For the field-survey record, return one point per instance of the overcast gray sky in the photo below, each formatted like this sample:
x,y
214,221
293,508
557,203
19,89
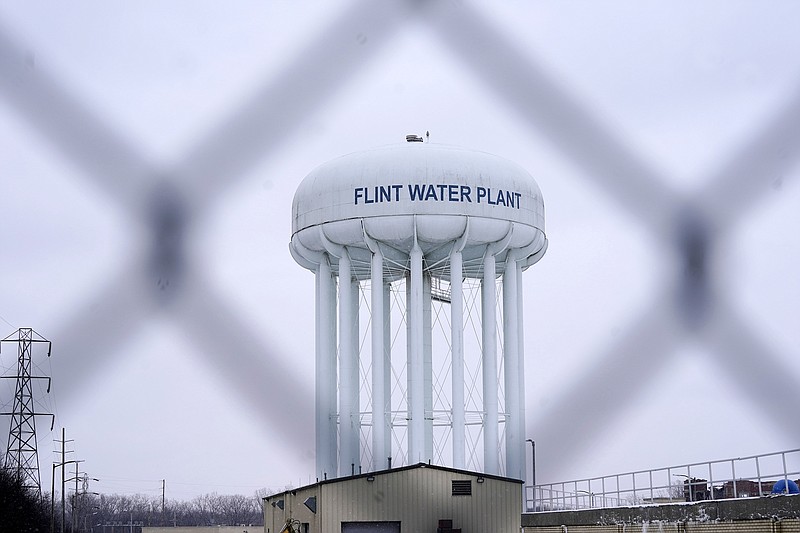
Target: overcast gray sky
x,y
189,358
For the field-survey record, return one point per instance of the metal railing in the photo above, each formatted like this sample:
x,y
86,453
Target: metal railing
x,y
741,477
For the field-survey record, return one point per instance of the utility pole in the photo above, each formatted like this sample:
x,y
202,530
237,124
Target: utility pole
x,y
163,512
82,496
74,498
22,455
533,470
533,461
53,499
62,464
75,502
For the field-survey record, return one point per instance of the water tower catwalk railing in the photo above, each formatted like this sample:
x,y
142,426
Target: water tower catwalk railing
x,y
403,417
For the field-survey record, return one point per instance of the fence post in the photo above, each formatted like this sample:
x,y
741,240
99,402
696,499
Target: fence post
x,y
669,483
603,488
758,474
711,480
785,473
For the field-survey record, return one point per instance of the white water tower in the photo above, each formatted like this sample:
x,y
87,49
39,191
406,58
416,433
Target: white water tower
x,y
418,251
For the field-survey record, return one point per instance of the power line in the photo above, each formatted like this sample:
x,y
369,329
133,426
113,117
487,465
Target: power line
x,y
6,321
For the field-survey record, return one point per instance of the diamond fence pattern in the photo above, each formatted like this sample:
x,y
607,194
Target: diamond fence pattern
x,y
169,203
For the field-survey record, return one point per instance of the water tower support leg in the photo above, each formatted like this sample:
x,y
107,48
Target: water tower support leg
x,y
379,455
521,431
457,343
427,329
325,371
515,447
489,340
416,371
348,368
387,368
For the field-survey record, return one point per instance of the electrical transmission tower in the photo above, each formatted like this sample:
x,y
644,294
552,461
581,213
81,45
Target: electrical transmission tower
x,y
22,456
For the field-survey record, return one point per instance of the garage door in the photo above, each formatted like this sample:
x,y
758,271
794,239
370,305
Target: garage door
x,y
370,527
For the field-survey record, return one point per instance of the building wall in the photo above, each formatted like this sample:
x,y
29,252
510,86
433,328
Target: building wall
x,y
275,517
417,497
197,529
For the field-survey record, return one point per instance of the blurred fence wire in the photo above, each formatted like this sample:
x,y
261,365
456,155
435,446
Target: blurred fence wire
x,y
169,203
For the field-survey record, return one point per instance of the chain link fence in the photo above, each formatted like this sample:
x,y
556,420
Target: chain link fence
x,y
165,206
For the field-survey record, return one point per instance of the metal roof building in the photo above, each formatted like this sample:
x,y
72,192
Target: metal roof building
x,y
419,497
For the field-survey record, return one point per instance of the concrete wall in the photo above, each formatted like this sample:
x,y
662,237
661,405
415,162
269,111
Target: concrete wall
x,y
791,525
754,513
204,529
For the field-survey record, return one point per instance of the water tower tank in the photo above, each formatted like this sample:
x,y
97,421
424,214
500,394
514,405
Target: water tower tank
x,y
435,220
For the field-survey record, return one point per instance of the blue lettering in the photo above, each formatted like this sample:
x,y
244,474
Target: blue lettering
x,y
431,193
452,193
437,192
416,191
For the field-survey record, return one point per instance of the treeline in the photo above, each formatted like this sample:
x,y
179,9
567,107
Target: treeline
x,y
93,510
21,510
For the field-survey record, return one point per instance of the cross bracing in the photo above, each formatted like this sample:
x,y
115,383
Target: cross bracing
x,y
22,454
